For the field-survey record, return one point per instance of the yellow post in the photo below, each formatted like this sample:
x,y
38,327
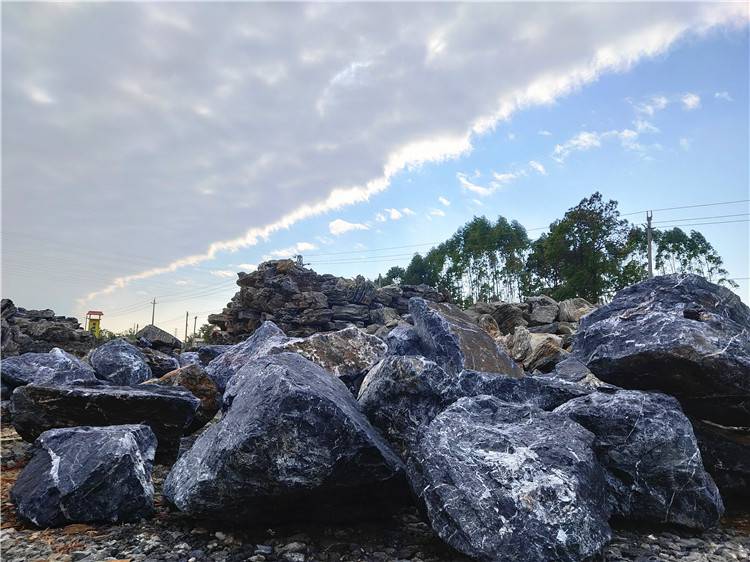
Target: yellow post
x,y
93,322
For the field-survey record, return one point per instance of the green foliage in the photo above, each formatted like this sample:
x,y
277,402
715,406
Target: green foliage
x,y
205,331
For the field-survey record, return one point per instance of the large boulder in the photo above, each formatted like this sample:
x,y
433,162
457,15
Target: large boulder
x,y
57,366
572,310
159,362
88,474
535,351
194,378
120,363
151,336
511,482
726,456
292,445
508,316
650,454
679,334
167,411
542,310
403,340
455,342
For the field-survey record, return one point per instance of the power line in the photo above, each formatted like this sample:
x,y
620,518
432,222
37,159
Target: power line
x,y
704,218
686,207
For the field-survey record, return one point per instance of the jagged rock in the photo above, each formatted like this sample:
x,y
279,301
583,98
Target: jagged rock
x,y
226,365
207,353
194,378
726,456
151,336
542,310
57,366
385,316
167,411
511,482
508,317
160,363
88,474
679,334
572,310
189,358
535,351
572,370
120,363
403,340
488,324
454,342
292,445
559,328
649,452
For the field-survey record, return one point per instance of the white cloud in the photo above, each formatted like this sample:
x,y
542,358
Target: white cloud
x,y
643,126
538,167
380,217
181,282
691,101
437,213
408,212
444,201
511,136
723,96
340,226
586,140
290,251
685,143
394,214
545,133
224,273
469,185
506,177
39,96
247,266
651,105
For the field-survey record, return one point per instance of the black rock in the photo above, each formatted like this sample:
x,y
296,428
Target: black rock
x,y
207,353
168,411
726,456
156,338
644,340
189,358
57,366
403,340
88,474
120,363
510,482
159,362
293,445
455,342
650,454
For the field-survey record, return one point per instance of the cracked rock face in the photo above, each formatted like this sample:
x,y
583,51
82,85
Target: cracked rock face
x,y
455,342
167,411
292,445
650,454
509,482
88,474
57,366
120,363
403,340
726,456
679,334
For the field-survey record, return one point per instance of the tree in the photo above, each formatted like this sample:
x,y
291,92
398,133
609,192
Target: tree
x,y
394,275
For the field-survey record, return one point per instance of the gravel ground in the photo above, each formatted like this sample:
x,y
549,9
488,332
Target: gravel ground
x,y
404,536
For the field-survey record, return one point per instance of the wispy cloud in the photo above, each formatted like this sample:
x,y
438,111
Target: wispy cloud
x,y
224,273
685,143
723,96
340,226
586,140
290,251
437,213
691,101
651,105
538,167
545,133
443,201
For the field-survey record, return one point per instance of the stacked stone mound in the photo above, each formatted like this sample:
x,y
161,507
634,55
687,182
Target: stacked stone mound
x,y
302,302
39,331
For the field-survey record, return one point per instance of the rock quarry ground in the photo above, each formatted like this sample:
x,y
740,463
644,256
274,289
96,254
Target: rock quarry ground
x,y
404,536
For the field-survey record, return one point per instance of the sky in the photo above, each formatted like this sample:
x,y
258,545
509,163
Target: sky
x,y
151,151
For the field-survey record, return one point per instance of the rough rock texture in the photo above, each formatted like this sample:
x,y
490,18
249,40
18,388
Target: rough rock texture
x,y
535,351
57,366
511,482
650,454
194,379
86,474
726,456
39,331
292,445
120,363
159,362
455,342
572,310
156,338
189,358
167,411
572,370
679,334
301,302
403,340
542,310
508,316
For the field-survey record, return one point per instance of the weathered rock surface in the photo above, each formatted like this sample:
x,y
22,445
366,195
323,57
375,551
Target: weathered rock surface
x,y
455,342
508,317
87,474
403,340
39,331
572,370
650,454
726,456
156,338
510,482
542,310
292,445
679,334
57,366
159,362
194,379
572,310
535,351
120,363
167,411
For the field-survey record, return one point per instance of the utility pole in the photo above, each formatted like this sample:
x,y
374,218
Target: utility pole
x,y
649,236
195,324
153,310
187,314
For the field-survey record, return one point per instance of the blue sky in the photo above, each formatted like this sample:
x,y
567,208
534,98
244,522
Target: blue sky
x,y
665,129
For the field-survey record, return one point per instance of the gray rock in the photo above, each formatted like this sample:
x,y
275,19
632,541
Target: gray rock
x,y
508,317
679,334
572,370
88,474
189,358
56,366
404,340
292,445
650,454
543,310
159,362
168,411
511,482
572,310
120,363
386,316
208,353
726,456
154,337
455,342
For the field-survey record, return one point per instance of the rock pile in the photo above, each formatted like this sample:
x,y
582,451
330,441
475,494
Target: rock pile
x,y
25,331
302,303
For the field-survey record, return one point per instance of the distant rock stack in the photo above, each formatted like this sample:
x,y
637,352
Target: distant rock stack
x,y
40,331
302,302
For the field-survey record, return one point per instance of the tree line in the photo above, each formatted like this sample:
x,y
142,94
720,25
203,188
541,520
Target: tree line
x,y
591,252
